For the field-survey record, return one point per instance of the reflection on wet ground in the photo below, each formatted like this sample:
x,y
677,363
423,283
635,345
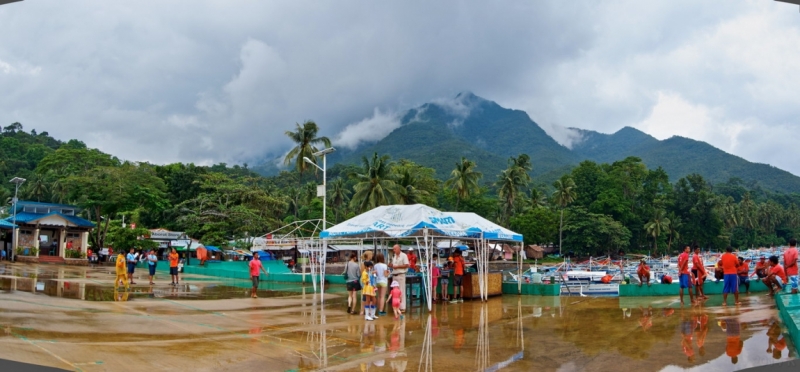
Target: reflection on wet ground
x,y
292,330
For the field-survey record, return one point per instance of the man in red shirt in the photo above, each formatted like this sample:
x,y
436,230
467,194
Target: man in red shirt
x,y
777,276
643,271
685,276
762,268
255,272
699,272
790,264
730,266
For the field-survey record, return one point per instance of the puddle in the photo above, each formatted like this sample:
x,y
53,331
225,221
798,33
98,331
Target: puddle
x,y
292,331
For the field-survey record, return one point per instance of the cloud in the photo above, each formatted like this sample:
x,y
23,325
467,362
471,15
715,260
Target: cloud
x,y
371,129
151,81
567,137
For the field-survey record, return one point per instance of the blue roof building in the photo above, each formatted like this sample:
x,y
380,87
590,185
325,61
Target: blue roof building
x,y
52,228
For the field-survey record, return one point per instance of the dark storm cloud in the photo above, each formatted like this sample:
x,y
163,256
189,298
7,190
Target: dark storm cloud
x,y
210,81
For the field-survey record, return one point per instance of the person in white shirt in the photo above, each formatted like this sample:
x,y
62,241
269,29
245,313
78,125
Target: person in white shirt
x,y
399,266
382,276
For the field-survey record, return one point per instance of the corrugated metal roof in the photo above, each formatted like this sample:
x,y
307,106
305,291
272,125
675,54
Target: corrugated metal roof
x,y
27,217
6,225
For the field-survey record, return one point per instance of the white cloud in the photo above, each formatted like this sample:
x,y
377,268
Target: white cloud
x,y
150,81
371,129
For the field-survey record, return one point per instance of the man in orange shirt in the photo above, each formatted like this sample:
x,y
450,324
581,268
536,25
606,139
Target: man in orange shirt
x,y
730,266
776,277
173,266
699,272
643,271
790,264
762,268
458,274
684,275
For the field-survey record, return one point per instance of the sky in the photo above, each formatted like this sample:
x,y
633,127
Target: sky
x,y
221,81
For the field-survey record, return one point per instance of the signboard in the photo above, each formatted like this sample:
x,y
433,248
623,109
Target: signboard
x,y
320,190
165,235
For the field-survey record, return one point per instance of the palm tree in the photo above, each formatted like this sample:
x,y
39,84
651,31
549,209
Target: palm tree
x,y
511,181
464,180
376,185
408,192
339,195
563,196
36,187
305,137
658,224
675,225
537,198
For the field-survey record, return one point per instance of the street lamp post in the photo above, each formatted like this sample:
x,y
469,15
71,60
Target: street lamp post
x,y
324,191
16,181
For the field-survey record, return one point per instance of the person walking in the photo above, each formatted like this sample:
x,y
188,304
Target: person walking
x,y
131,259
458,276
397,297
382,282
152,261
255,271
730,265
173,266
790,264
399,266
352,275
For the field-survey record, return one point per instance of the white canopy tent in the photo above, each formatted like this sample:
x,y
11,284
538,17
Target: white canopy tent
x,y
428,224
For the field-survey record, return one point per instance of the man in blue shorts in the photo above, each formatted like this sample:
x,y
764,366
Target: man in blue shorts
x,y
131,259
730,267
685,275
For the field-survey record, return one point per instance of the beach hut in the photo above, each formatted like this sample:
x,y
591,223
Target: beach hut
x,y
534,251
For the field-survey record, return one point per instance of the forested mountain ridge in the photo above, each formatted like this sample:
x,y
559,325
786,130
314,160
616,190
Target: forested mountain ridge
x,y
437,135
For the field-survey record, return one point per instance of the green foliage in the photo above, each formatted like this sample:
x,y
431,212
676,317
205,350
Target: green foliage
x,y
593,234
305,138
537,225
123,239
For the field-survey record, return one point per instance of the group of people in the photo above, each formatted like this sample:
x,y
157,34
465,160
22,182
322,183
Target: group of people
x,y
373,279
733,270
126,266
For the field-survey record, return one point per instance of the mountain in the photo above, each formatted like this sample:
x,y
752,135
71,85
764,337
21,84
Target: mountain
x,y
438,134
681,156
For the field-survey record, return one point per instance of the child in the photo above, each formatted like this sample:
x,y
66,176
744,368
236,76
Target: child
x,y
395,295
446,279
435,275
368,290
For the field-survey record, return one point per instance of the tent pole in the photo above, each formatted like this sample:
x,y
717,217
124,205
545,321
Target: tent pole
x,y
519,277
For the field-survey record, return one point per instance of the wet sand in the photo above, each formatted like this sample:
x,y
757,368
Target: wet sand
x,y
68,318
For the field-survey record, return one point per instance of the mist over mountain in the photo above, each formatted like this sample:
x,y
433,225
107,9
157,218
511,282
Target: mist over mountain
x,y
438,134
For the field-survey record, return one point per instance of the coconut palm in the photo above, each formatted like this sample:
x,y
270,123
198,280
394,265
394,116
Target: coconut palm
x,y
408,190
305,138
339,195
658,224
464,180
563,196
36,187
511,181
675,225
538,199
376,185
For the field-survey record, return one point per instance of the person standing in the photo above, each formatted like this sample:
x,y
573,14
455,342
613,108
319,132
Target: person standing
x,y
730,265
643,272
255,272
368,290
399,266
131,258
700,274
173,266
382,282
121,270
435,275
352,275
790,264
684,275
152,260
458,276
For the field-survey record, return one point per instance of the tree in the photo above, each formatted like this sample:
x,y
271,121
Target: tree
x,y
339,195
537,226
563,196
658,224
511,181
305,138
594,234
376,184
36,187
464,180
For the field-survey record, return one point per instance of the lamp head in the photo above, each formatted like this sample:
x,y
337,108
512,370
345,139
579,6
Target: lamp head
x,y
325,151
18,180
